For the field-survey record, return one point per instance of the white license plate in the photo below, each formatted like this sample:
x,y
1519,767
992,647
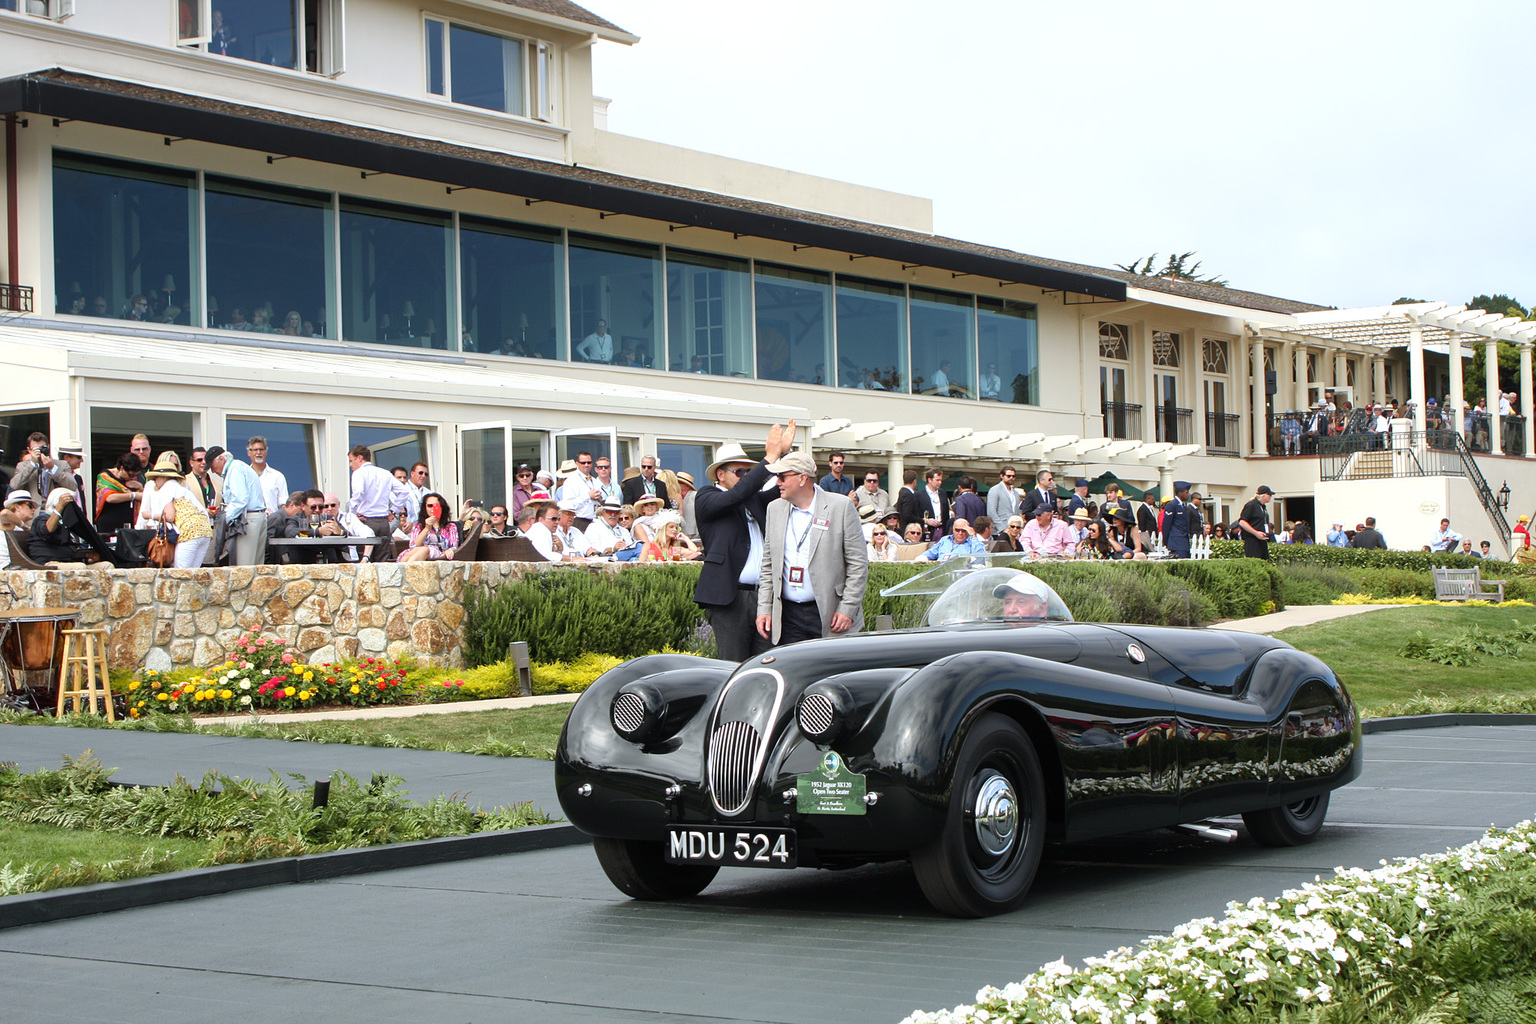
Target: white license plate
x,y
730,847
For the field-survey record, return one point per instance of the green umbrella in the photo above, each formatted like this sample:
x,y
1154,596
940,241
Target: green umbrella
x,y
1103,480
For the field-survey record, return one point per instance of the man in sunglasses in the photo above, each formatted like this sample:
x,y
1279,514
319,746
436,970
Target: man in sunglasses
x,y
376,494
871,494
499,526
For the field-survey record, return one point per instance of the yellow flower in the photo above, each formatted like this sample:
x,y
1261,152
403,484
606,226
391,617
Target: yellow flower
x,y
309,677
356,688
162,696
289,691
303,695
226,694
133,685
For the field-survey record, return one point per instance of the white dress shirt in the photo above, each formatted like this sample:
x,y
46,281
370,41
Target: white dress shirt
x,y
376,493
274,488
797,554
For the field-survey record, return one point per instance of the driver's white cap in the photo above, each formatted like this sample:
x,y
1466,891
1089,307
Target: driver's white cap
x,y
1018,585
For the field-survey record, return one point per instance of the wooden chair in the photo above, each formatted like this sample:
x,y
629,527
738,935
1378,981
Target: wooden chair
x,y
508,549
469,544
1466,585
19,557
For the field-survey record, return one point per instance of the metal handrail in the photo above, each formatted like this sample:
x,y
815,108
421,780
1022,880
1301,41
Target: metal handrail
x,y
1484,492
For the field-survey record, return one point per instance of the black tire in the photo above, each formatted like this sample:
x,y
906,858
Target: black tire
x,y
636,867
974,869
1292,825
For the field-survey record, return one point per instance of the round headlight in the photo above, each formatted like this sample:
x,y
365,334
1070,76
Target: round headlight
x,y
822,710
636,711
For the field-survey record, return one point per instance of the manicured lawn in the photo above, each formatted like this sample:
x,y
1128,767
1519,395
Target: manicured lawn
x,y
50,844
525,732
1365,651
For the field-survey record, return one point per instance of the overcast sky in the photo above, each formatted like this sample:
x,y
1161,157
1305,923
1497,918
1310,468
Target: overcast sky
x,y
1343,153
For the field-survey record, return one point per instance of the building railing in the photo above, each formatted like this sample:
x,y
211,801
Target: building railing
x,y
1408,454
1512,436
16,298
1174,425
1223,431
1122,421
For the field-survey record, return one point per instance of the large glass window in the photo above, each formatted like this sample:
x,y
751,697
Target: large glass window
x,y
482,69
614,314
123,240
709,314
682,457
268,250
871,335
943,344
794,324
394,274
301,34
1010,354
290,450
15,428
513,277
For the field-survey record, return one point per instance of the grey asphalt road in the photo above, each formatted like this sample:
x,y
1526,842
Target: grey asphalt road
x,y
543,936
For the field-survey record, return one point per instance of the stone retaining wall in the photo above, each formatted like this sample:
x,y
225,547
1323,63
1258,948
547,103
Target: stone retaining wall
x,y
178,618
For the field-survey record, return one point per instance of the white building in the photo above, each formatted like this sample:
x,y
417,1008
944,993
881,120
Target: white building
x,y
403,223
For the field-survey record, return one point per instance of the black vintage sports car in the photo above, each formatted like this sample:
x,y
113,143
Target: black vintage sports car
x,y
964,746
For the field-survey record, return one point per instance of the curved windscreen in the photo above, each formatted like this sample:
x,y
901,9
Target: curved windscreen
x,y
998,594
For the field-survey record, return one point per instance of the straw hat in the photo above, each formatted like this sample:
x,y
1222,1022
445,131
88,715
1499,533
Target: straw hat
x,y
728,453
647,500
166,466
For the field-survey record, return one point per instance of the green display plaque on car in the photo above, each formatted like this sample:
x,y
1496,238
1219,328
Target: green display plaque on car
x,y
832,789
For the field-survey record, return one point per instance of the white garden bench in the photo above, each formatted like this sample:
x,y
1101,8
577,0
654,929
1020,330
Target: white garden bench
x,y
1466,585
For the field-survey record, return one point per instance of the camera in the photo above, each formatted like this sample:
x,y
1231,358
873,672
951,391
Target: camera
x,y
42,450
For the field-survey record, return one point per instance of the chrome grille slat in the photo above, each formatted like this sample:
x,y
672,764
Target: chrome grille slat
x,y
816,714
732,753
628,712
741,731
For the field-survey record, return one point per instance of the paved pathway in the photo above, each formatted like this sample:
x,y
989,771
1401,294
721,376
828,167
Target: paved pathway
x,y
1303,615
544,937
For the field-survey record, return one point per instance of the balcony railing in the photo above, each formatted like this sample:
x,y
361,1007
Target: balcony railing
x,y
1223,432
1122,421
16,298
1174,425
1512,435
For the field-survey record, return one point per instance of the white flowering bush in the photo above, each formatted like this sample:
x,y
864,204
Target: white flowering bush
x,y
1455,924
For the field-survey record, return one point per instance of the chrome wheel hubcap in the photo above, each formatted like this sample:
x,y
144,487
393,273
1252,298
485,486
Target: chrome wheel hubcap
x,y
995,814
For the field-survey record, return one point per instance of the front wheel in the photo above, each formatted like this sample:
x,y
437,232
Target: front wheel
x,y
637,868
994,831
1292,825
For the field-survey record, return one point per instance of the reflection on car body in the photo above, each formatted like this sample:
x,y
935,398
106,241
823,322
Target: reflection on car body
x,y
962,746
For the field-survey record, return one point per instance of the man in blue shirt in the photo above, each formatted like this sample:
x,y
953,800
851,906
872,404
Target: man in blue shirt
x,y
834,481
960,541
1337,538
245,508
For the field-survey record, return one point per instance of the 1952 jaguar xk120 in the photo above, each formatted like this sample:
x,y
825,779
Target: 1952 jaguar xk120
x,y
963,746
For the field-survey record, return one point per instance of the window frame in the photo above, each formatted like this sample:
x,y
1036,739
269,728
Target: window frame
x,y
539,67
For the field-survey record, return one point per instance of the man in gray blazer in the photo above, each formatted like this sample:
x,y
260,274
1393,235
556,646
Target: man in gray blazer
x,y
814,559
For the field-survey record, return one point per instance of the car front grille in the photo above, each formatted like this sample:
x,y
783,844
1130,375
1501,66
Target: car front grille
x,y
816,714
733,765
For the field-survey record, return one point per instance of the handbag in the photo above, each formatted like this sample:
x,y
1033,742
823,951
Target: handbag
x,y
162,548
133,546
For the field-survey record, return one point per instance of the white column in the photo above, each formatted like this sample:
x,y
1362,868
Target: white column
x,y
1416,374
1302,398
1258,426
1164,483
1494,392
1525,398
1285,390
895,469
1378,379
1340,370
1458,397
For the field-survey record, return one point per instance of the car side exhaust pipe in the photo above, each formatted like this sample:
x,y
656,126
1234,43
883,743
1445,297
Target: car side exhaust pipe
x,y
1215,833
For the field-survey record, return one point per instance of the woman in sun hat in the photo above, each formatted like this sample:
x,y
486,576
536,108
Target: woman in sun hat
x,y
646,508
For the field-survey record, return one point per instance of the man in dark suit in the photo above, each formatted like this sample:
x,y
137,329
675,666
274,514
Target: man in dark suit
x,y
646,483
1079,497
815,563
928,506
1043,494
730,515
1176,521
1146,517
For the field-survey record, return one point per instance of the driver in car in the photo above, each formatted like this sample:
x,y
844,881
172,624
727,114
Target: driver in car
x,y
1020,604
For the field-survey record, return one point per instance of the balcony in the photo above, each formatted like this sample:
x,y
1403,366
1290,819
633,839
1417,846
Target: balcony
x,y
1122,421
16,298
1223,431
1174,425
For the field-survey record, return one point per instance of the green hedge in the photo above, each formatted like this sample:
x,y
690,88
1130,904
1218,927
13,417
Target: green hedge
x,y
563,614
1322,554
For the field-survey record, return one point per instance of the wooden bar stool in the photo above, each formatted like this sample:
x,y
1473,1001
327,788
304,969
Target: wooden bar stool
x,y
85,672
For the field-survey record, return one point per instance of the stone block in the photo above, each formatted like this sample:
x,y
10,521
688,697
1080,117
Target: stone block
x,y
290,572
278,612
346,617
183,626
158,659
313,612
191,597
80,586
371,641
218,589
207,652
320,572
143,593
182,651
312,639
453,586
323,655
367,586
431,638
120,601
166,588
391,575
398,649
250,617
288,634
226,618
202,575
207,621
240,576
294,593
399,625
347,648
92,612
450,615
131,639
421,577
334,595
262,588
163,632
390,597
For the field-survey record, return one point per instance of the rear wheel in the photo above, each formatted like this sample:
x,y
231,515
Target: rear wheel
x,y
636,867
1292,825
994,832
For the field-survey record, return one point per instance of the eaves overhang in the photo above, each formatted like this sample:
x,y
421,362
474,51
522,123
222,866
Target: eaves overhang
x,y
67,95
